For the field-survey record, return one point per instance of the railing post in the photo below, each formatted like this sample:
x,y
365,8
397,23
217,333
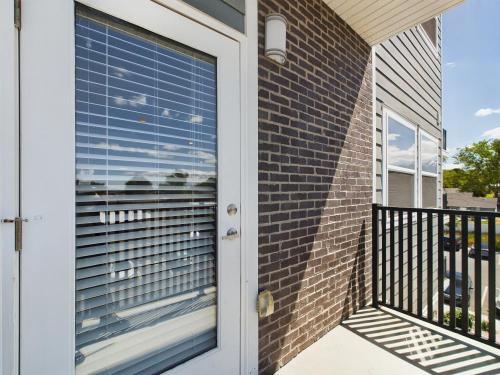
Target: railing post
x,y
477,275
491,278
375,255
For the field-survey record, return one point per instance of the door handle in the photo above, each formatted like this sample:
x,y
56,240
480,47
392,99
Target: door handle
x,y
231,234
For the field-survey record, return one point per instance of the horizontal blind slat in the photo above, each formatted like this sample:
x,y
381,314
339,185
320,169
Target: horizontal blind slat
x,y
146,199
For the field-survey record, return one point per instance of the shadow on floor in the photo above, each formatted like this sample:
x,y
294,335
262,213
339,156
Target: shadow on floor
x,y
431,351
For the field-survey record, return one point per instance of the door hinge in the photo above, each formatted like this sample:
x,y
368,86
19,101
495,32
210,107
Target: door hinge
x,y
18,231
17,14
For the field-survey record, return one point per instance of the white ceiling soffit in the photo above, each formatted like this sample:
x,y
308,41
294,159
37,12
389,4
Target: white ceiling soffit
x,y
378,20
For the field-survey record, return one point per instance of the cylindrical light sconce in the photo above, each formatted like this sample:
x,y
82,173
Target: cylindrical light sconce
x,y
276,37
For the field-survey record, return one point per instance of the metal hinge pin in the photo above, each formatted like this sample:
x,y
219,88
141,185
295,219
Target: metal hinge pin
x,y
18,231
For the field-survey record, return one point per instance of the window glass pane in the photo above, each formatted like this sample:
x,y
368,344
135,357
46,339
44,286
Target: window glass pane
x,y
429,191
401,189
401,145
429,155
146,192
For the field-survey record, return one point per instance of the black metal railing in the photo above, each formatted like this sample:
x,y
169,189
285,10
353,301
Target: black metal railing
x,y
438,265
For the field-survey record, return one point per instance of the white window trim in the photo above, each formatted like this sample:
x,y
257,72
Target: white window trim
x,y
386,166
428,41
418,173
421,171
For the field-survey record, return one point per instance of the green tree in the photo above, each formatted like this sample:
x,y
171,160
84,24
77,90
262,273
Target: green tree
x,y
481,167
453,178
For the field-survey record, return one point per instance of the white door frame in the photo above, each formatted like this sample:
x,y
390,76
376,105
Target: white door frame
x,y
248,148
9,197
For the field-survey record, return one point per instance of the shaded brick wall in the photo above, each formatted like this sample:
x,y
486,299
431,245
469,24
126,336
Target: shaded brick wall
x,y
315,178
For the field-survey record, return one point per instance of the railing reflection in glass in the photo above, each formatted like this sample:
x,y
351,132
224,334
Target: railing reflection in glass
x,y
146,191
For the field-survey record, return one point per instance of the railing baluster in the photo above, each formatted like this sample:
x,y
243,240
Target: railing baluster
x,y
440,268
384,253
375,252
452,271
491,278
477,276
430,279
400,257
384,256
391,213
410,261
419,263
465,275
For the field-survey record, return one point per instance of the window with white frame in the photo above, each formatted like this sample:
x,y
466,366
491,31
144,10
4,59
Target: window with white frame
x,y
411,164
401,161
429,169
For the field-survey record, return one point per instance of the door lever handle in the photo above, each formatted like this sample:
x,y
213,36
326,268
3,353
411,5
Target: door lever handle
x,y
231,234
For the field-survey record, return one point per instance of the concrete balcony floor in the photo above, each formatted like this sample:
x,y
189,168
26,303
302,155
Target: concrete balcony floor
x,y
386,342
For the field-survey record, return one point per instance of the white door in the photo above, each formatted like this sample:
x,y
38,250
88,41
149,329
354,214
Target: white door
x,y
130,171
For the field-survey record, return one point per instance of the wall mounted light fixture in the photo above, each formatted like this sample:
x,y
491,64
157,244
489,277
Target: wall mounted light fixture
x,y
276,37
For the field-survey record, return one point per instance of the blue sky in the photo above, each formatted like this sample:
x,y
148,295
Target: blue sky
x,y
471,72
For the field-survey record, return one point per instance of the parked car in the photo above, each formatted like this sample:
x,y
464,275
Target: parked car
x,y
484,251
447,244
458,288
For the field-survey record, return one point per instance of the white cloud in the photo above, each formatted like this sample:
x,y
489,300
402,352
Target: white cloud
x,y
135,150
207,156
138,100
487,112
170,147
393,136
120,100
429,155
448,166
121,72
135,101
197,119
401,157
451,64
492,133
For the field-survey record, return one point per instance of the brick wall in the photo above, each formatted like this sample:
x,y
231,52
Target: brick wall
x,y
315,178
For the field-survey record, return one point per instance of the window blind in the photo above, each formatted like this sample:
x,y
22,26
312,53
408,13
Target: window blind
x,y
146,196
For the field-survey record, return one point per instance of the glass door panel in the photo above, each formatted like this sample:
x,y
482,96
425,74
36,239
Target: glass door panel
x,y
146,199
130,155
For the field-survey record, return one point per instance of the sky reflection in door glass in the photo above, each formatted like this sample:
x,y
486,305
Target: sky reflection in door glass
x,y
146,191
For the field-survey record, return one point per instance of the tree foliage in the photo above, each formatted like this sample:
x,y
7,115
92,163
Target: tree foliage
x,y
453,178
480,173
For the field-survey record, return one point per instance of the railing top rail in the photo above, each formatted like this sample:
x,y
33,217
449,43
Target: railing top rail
x,y
438,211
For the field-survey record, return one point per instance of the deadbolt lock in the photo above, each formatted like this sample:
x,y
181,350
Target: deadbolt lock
x,y
232,234
232,209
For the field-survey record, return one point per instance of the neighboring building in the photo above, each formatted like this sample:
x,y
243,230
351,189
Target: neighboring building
x,y
409,132
408,168
166,170
458,200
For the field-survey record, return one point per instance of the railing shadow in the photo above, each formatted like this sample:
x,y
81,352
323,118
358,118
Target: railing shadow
x,y
426,348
